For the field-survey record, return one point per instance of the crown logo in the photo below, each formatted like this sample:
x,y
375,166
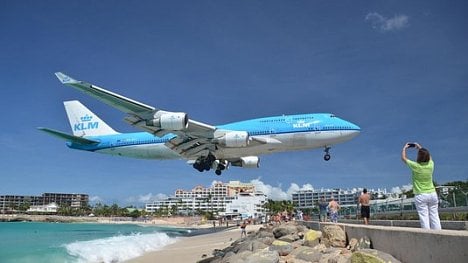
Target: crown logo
x,y
86,118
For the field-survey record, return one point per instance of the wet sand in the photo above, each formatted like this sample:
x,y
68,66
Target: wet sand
x,y
193,249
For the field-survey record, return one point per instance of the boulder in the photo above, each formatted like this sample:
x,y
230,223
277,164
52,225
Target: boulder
x,y
282,247
307,254
264,232
312,238
263,256
284,230
289,238
236,258
372,256
364,242
334,235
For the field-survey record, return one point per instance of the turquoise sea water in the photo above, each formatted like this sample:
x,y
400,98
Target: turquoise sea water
x,y
25,242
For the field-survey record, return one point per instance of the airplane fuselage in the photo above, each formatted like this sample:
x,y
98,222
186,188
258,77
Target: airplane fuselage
x,y
173,135
281,133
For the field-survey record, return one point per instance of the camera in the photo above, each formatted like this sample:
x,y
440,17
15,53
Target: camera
x,y
411,145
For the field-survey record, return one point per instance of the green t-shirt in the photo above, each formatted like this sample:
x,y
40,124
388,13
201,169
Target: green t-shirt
x,y
422,176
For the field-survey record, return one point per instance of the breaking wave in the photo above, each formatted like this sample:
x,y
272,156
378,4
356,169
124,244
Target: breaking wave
x,y
117,248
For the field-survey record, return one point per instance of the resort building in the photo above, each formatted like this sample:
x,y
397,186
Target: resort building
x,y
50,208
12,203
226,199
309,198
347,199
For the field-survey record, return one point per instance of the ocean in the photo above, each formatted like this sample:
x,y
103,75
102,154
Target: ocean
x,y
27,242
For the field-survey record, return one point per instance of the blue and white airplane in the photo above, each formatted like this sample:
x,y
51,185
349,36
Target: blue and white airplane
x,y
173,135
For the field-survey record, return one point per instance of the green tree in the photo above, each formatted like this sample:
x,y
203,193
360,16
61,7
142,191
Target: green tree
x,y
24,206
135,213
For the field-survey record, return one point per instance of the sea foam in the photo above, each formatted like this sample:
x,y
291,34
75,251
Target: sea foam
x,y
117,248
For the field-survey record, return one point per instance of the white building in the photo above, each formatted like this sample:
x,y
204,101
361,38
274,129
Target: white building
x,y
246,205
49,208
346,198
233,198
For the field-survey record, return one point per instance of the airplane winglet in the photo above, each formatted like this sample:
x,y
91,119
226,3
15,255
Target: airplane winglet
x,y
65,79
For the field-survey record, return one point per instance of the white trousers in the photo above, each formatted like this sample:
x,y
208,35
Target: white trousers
x,y
427,206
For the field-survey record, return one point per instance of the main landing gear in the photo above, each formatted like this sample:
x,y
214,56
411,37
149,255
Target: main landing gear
x,y
206,163
327,155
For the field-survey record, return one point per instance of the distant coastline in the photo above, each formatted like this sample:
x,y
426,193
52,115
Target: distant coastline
x,y
181,222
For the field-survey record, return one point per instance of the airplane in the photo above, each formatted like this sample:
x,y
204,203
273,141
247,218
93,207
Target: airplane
x,y
173,135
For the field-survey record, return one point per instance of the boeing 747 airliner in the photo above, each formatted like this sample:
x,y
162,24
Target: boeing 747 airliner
x,y
173,135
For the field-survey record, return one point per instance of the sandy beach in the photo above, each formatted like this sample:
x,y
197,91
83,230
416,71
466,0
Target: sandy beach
x,y
193,249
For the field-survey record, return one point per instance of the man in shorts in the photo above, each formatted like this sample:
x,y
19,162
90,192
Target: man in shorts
x,y
365,206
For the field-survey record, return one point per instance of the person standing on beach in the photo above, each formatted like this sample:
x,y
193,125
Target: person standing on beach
x,y
323,205
243,227
365,207
333,206
425,196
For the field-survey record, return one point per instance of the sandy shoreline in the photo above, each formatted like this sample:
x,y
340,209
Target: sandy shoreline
x,y
179,222
193,249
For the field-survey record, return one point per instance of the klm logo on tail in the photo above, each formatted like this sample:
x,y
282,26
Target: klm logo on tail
x,y
86,124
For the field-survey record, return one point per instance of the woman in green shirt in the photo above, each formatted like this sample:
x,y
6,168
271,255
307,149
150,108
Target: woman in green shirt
x,y
425,196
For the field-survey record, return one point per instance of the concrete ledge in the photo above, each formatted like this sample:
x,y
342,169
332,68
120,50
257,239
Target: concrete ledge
x,y
410,244
446,225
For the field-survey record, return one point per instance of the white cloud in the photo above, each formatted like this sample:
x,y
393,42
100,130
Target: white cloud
x,y
401,189
276,193
146,198
382,23
96,199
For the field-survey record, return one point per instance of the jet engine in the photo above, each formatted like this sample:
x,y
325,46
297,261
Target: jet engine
x,y
174,121
250,162
234,139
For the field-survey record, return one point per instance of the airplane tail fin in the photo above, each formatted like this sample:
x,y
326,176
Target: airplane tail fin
x,y
84,122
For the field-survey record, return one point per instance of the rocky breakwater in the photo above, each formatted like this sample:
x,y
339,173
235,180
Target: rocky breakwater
x,y
294,243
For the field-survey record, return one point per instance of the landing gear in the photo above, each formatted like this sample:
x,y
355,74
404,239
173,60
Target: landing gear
x,y
327,155
221,167
206,163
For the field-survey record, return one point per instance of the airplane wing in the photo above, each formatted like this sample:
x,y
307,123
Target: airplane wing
x,y
193,138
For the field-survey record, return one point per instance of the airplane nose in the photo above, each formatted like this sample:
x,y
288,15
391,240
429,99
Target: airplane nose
x,y
354,127
352,130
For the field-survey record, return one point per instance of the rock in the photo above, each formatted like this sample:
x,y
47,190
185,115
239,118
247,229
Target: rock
x,y
289,238
282,247
353,245
333,254
334,236
256,245
307,254
263,256
267,240
264,232
290,243
236,258
312,238
364,242
301,228
284,230
372,256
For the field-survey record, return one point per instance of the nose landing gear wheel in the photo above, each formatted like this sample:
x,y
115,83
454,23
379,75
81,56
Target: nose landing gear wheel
x,y
327,155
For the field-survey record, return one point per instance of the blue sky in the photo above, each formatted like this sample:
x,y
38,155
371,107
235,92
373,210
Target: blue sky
x,y
398,69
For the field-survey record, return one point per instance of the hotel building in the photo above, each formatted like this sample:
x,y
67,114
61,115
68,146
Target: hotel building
x,y
227,199
10,203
